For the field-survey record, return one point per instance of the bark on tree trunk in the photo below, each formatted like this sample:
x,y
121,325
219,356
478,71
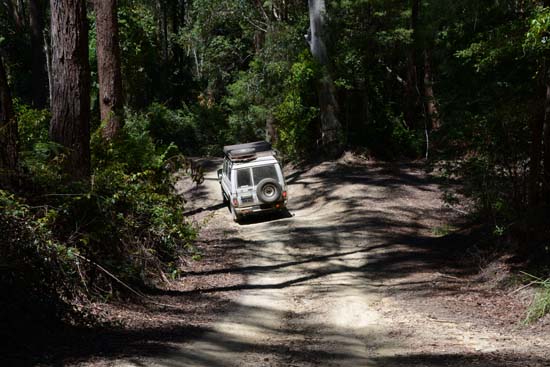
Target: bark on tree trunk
x,y
536,148
534,162
16,10
366,108
431,104
70,124
108,67
178,20
162,32
546,142
39,77
8,133
539,154
331,129
259,40
48,53
163,24
411,87
271,131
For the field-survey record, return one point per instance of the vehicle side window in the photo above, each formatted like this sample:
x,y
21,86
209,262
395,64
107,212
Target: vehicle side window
x,y
229,166
225,167
243,177
262,172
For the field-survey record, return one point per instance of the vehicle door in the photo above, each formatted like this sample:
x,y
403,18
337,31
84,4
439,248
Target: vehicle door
x,y
245,187
226,178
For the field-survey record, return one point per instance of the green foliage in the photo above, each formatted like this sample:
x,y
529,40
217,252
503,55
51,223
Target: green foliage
x,y
443,230
540,306
134,149
490,97
537,37
140,52
138,216
248,105
40,158
405,141
217,41
294,115
129,220
242,58
33,125
39,274
369,38
496,46
200,129
494,168
15,47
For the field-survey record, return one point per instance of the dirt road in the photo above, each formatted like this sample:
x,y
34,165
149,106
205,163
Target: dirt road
x,y
354,277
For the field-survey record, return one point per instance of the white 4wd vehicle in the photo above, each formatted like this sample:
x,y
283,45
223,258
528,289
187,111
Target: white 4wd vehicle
x,y
251,179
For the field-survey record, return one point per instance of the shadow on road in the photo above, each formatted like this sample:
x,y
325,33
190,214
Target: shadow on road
x,y
466,359
200,210
376,221
167,346
265,217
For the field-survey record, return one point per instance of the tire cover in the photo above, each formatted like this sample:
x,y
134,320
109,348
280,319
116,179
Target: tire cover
x,y
266,183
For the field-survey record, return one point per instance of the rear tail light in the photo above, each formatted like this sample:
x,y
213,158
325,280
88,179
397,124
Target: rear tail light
x,y
235,202
284,194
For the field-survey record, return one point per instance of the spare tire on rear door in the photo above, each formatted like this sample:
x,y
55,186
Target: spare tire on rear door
x,y
268,190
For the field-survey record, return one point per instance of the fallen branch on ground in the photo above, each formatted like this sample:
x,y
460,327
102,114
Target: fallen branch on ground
x,y
125,285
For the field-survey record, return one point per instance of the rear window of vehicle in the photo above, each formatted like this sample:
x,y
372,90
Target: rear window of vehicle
x,y
243,177
264,172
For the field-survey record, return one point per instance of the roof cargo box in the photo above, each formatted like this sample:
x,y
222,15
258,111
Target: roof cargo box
x,y
248,150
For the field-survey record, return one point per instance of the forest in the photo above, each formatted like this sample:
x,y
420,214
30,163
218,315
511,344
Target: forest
x,y
103,102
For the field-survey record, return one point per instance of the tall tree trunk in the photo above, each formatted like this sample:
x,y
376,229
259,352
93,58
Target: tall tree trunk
x,y
411,87
544,128
8,133
163,28
271,134
534,162
365,105
259,40
178,20
70,124
539,154
535,150
431,103
162,34
317,13
108,67
48,53
546,140
331,129
38,72
16,10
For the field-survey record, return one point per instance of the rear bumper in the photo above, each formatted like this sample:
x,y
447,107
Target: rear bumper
x,y
263,208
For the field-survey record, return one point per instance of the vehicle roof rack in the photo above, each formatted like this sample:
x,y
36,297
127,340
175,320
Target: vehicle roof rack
x,y
246,151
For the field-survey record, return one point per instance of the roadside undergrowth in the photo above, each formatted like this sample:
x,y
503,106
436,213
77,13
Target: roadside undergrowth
x,y
65,244
540,306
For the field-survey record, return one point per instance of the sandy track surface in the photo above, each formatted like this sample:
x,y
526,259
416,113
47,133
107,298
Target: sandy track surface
x,y
353,277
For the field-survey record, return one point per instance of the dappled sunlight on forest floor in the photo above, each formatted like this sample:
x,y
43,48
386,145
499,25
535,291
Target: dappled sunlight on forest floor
x,y
353,275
